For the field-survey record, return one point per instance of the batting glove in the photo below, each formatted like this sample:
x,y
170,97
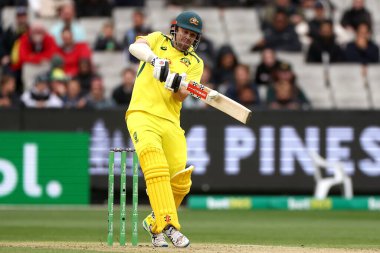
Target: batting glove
x,y
161,69
173,82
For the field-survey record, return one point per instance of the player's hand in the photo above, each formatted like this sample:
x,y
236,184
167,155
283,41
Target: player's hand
x,y
161,69
173,81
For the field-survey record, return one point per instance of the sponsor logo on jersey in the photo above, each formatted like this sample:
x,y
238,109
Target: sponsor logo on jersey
x,y
164,48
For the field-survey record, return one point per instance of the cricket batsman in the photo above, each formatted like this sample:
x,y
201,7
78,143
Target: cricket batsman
x,y
153,121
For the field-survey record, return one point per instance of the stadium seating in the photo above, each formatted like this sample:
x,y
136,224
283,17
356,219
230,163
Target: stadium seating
x,y
238,20
297,60
250,59
93,27
312,80
46,22
242,29
123,21
110,66
31,71
341,86
341,4
373,80
347,84
8,16
161,20
211,18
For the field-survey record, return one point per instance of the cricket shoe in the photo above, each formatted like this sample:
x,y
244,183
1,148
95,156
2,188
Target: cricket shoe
x,y
158,240
177,238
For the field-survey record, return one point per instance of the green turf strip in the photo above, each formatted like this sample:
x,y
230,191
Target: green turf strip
x,y
341,229
39,250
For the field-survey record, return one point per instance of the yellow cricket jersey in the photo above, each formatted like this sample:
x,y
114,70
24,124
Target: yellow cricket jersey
x,y
149,94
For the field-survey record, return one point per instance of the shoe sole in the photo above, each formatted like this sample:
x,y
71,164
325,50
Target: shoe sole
x,y
187,245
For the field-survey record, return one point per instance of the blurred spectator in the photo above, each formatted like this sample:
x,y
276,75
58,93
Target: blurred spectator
x,y
286,95
67,19
290,9
123,93
356,15
96,98
325,43
48,10
8,96
4,58
74,97
45,8
363,49
264,71
242,89
215,3
56,62
280,36
93,8
181,3
135,3
206,79
139,29
285,72
72,51
106,41
13,3
309,8
226,61
40,96
14,32
85,74
36,46
319,17
58,82
205,50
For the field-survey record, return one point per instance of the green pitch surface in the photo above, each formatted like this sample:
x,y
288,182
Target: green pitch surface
x,y
42,229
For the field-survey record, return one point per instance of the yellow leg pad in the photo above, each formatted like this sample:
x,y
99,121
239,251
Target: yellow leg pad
x,y
157,178
181,184
162,201
151,158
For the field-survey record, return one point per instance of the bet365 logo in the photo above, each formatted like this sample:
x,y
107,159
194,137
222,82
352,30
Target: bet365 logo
x,y
30,184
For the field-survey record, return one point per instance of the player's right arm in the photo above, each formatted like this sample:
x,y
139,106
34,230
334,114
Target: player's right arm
x,y
142,51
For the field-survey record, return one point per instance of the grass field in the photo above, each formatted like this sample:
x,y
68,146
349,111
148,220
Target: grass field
x,y
42,229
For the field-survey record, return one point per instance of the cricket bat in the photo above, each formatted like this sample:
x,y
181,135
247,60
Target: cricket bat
x,y
218,101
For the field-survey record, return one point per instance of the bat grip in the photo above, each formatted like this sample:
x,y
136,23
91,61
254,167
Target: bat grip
x,y
184,83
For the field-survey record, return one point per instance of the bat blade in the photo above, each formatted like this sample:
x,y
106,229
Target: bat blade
x,y
221,102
